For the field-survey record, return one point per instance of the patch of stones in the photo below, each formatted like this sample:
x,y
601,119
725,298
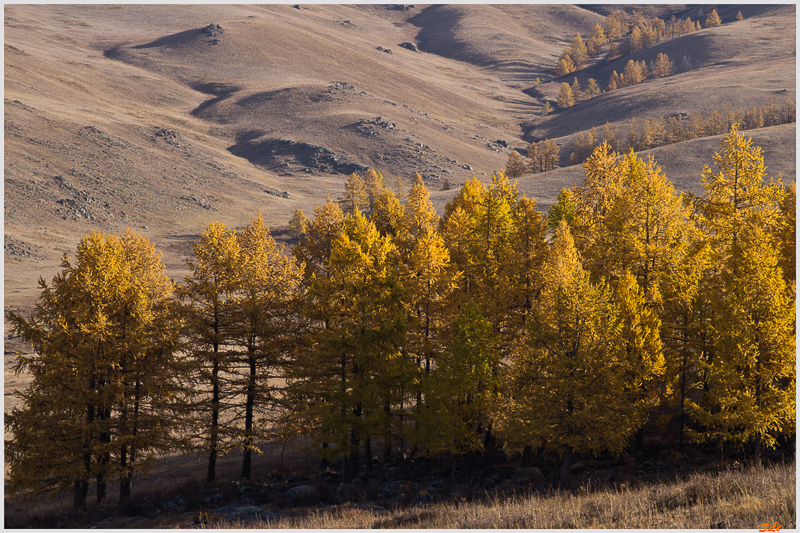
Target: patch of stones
x,y
214,31
335,92
170,136
310,156
202,202
368,127
75,207
20,249
246,513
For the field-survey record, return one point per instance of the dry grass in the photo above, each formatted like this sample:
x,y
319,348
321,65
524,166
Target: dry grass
x,y
731,499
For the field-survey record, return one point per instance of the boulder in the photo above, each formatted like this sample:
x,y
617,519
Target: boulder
x,y
531,473
302,494
409,46
250,513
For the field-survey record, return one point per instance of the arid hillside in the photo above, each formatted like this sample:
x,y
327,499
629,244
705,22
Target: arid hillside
x,y
165,119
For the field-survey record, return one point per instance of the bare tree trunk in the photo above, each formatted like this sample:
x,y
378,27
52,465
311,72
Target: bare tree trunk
x,y
566,464
248,419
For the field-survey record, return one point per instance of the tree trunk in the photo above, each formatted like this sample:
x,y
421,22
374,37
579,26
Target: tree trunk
x,y
248,419
212,458
124,480
368,452
526,455
324,463
387,432
81,490
104,459
566,464
758,451
640,439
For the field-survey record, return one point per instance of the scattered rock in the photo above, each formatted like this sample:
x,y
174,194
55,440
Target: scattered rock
x,y
578,467
387,50
531,473
603,474
303,494
376,508
225,509
214,30
170,136
345,492
251,513
409,46
467,167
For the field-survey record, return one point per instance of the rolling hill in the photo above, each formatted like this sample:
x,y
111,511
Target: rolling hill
x,y
166,118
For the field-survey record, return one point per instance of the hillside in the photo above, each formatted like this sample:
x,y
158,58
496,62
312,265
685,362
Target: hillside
x,y
167,118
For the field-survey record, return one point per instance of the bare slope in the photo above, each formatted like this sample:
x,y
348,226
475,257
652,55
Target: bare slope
x,y
145,115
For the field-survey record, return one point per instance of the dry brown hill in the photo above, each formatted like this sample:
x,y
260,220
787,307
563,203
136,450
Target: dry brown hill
x,y
166,118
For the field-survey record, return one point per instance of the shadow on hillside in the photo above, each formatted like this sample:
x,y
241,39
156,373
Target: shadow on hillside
x,y
175,39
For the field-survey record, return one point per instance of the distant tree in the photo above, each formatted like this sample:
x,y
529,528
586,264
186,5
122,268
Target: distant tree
x,y
398,186
542,156
582,146
315,249
373,185
635,40
613,52
598,34
446,185
578,53
298,225
592,89
658,29
712,19
565,65
355,198
515,165
739,16
654,133
754,119
611,136
635,72
675,131
388,215
697,126
565,96
616,24
772,115
547,109
715,124
419,213
662,67
614,81
593,47
791,111
576,89
564,208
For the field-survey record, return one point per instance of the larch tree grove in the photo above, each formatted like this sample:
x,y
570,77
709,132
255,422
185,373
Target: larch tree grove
x,y
104,373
